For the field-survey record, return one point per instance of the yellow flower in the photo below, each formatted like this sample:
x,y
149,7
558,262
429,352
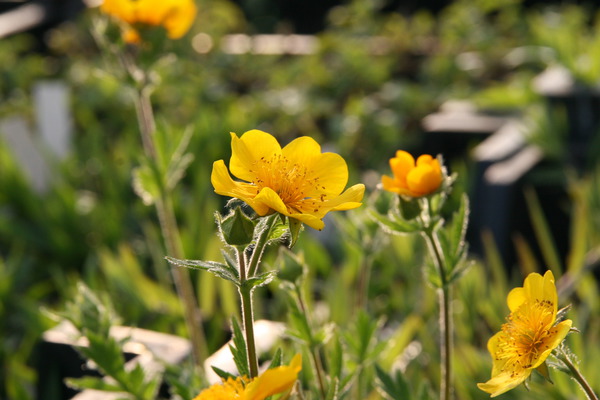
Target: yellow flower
x,y
413,179
529,335
298,181
272,381
176,16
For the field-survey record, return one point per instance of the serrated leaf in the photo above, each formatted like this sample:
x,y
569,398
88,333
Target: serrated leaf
x,y
222,374
177,169
392,224
92,382
458,226
238,349
260,280
332,391
276,359
225,271
392,388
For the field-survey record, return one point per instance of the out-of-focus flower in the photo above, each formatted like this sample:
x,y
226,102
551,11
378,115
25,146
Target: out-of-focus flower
x,y
272,381
175,16
413,179
529,335
297,181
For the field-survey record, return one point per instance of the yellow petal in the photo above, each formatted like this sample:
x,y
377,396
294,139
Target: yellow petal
x,y
504,382
390,184
348,200
274,381
268,198
328,170
542,288
246,150
423,179
225,186
401,165
554,338
516,297
180,20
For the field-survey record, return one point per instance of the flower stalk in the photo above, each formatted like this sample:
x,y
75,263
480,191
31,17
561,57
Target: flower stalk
x,y
170,230
444,298
574,372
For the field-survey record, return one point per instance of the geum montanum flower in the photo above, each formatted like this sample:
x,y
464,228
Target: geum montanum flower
x,y
272,381
175,16
413,179
297,181
529,335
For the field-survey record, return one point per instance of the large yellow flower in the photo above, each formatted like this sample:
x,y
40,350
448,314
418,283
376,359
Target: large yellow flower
x,y
413,179
298,181
272,381
176,16
529,335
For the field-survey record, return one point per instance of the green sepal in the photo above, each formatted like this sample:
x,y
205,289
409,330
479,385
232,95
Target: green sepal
x,y
236,229
408,207
544,371
295,228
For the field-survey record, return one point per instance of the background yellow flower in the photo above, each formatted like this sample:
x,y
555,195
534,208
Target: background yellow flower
x,y
175,16
297,181
414,179
528,337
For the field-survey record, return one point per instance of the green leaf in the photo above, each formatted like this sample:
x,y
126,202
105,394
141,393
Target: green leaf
x,y
276,359
179,161
92,382
146,183
392,224
336,358
260,280
238,349
222,374
333,390
225,271
392,387
458,227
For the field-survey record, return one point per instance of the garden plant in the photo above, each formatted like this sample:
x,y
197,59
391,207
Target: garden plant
x,y
213,193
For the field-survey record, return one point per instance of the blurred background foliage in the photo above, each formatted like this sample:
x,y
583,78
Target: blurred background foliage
x,y
362,93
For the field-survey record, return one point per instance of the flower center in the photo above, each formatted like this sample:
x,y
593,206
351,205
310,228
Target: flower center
x,y
292,182
524,334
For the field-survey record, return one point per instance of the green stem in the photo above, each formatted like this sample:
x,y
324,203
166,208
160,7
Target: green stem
x,y
260,245
170,233
576,374
314,351
247,316
444,297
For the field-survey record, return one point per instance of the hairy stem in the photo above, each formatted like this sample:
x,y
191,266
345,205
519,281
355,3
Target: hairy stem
x,y
247,316
170,233
444,297
577,375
